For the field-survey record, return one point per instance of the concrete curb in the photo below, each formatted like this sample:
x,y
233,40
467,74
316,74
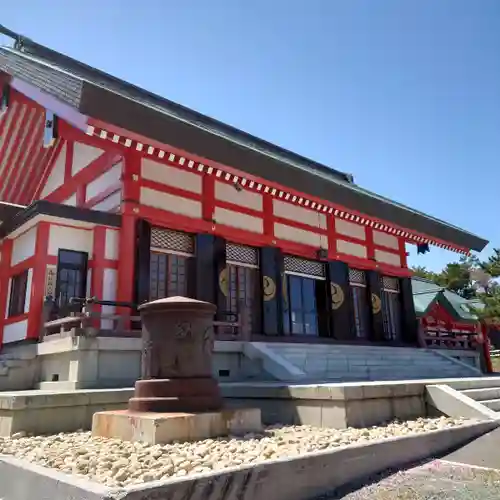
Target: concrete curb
x,y
286,479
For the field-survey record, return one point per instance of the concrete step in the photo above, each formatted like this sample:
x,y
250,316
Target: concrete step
x,y
483,394
479,382
4,371
492,404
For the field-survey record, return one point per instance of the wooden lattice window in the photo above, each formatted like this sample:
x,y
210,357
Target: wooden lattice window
x,y
171,264
391,308
243,286
361,305
17,298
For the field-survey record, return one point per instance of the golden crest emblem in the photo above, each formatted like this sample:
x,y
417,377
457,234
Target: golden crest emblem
x,y
376,303
223,282
337,294
268,288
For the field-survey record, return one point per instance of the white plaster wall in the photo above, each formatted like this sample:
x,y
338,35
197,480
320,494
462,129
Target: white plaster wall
x,y
70,238
238,220
112,244
391,258
104,181
171,176
170,202
110,281
83,155
109,203
351,248
27,299
23,247
386,240
89,283
350,229
6,312
289,211
243,198
15,331
56,177
71,201
300,236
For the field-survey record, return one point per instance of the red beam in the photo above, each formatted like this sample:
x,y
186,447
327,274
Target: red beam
x,y
39,158
268,209
68,161
208,200
17,193
14,165
49,167
96,168
332,237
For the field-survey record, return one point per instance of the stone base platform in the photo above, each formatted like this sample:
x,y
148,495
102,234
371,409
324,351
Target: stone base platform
x,y
162,428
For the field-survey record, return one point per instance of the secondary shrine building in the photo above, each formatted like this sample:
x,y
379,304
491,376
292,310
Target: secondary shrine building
x,y
109,191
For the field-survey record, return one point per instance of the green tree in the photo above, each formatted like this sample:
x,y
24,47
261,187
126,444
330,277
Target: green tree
x,y
492,264
423,272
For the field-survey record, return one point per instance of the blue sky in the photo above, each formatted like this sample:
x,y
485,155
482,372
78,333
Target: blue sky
x,y
404,94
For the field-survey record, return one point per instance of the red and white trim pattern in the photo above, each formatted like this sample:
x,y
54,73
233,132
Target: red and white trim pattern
x,y
337,211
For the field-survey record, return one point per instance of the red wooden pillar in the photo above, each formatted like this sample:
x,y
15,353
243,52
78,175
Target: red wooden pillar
x,y
268,215
5,254
332,236
97,268
402,253
370,245
130,213
40,262
208,202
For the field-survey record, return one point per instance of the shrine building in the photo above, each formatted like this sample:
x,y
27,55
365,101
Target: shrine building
x,y
111,192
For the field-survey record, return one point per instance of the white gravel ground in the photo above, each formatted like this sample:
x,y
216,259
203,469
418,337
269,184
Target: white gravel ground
x,y
119,463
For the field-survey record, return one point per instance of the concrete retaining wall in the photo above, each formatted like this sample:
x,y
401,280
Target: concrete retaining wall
x,y
299,478
324,405
331,405
106,362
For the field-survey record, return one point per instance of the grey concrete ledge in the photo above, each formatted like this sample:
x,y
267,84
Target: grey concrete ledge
x,y
298,478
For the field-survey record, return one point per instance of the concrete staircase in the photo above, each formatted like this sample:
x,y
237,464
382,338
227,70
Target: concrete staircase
x,y
342,363
487,393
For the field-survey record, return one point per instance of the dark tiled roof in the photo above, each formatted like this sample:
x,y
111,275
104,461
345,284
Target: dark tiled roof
x,y
114,101
426,292
60,84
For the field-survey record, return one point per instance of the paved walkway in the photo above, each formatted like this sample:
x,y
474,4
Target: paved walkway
x,y
469,473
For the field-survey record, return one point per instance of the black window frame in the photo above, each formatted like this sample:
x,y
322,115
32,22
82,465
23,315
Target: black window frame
x,y
361,305
392,311
67,265
289,310
17,294
169,259
244,290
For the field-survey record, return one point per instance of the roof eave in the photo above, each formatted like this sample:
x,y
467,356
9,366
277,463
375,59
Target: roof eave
x,y
115,109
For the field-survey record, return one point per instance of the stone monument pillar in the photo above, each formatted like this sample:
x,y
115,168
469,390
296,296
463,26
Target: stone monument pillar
x,y
177,398
178,341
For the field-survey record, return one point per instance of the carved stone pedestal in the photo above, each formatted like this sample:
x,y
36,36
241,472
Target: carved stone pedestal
x,y
177,398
